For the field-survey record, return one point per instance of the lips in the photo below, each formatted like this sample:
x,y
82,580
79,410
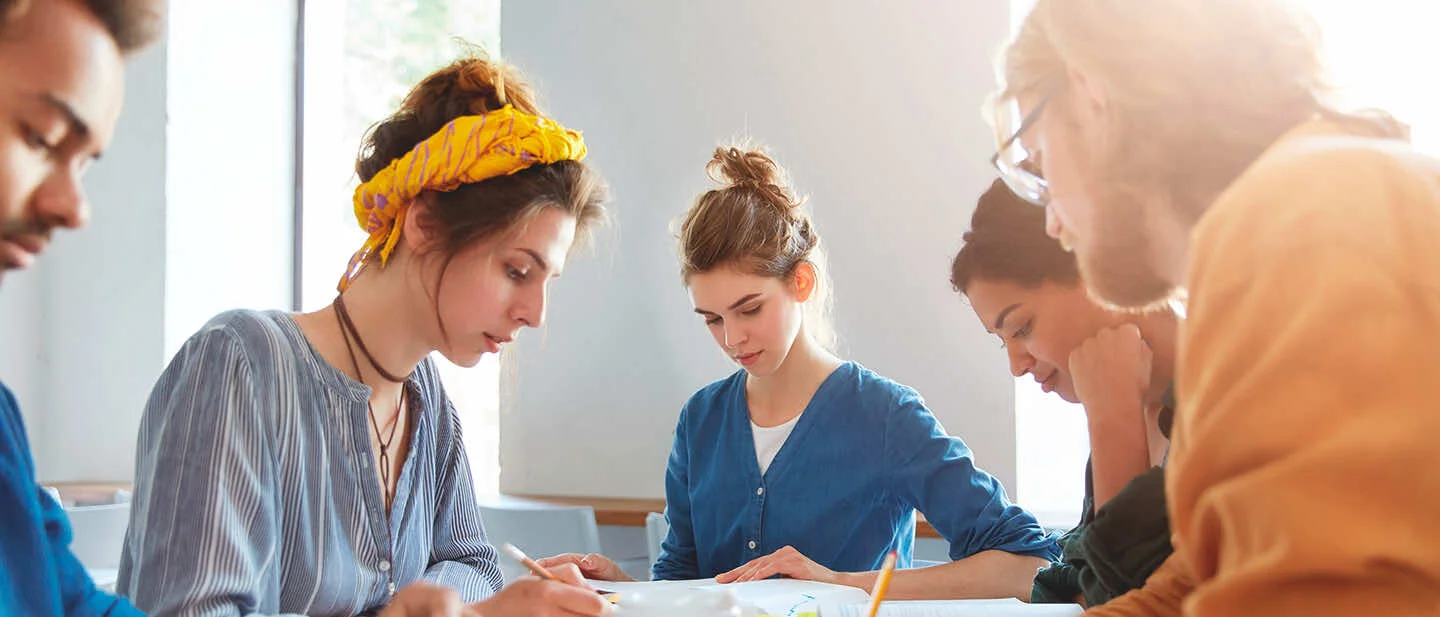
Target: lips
x,y
493,343
20,251
749,358
1048,384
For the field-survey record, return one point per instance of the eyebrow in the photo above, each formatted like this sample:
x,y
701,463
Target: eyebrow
x,y
1000,319
77,124
734,306
539,261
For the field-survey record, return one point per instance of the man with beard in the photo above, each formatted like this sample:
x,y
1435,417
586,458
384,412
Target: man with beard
x,y
61,83
1190,147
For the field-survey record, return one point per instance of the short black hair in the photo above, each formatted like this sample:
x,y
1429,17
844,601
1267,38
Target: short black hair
x,y
1007,242
132,23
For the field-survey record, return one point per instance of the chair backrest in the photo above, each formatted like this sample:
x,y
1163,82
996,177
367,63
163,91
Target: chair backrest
x,y
539,529
656,528
98,534
99,515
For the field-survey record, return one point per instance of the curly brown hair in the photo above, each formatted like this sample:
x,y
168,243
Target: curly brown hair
x,y
483,210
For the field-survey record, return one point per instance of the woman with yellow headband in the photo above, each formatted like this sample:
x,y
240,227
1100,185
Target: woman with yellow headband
x,y
312,463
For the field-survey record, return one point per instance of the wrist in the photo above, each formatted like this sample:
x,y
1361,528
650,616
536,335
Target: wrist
x,y
861,580
479,609
1113,410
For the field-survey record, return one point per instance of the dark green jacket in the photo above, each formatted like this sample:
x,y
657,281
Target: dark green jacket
x,y
1115,549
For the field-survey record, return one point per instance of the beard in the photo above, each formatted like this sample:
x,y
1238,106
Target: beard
x,y
1153,176
20,226
12,229
1120,267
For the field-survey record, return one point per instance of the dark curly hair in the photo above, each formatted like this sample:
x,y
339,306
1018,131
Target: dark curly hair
x,y
1007,242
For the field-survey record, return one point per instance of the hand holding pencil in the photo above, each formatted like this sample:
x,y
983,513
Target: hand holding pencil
x,y
882,585
557,592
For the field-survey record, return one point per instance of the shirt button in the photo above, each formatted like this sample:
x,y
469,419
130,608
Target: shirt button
x,y
752,545
760,491
384,566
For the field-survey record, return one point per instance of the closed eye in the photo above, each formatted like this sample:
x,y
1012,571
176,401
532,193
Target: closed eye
x,y
751,311
1020,333
713,320
34,139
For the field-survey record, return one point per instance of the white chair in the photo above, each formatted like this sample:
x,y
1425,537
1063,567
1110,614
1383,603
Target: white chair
x,y
538,528
98,517
98,533
656,528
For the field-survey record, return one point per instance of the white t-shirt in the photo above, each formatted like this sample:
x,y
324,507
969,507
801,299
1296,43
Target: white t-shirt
x,y
769,440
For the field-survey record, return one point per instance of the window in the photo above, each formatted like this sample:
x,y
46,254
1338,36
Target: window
x,y
1051,445
360,58
1382,54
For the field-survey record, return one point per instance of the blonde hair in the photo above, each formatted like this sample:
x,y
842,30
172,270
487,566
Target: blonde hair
x,y
755,222
1195,89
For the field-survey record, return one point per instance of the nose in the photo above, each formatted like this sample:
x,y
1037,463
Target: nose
x,y
530,310
1021,362
60,201
734,335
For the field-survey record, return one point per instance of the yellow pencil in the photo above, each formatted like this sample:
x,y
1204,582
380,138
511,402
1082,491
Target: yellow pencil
x,y
882,583
529,563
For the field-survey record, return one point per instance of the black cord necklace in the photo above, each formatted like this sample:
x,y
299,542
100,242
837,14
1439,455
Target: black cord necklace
x,y
344,317
347,330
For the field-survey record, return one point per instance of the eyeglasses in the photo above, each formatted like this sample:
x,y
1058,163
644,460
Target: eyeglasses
x,y
1017,164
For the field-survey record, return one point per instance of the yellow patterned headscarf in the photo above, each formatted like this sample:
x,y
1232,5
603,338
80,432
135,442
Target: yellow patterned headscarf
x,y
467,150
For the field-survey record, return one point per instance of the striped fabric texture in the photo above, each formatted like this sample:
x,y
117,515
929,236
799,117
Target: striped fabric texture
x,y
256,492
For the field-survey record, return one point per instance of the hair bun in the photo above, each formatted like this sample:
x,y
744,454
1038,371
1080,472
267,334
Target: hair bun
x,y
748,168
485,85
472,85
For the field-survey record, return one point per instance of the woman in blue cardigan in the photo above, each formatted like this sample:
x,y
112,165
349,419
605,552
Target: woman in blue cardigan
x,y
802,464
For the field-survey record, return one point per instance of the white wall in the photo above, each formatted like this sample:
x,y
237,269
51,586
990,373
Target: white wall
x,y
191,216
873,106
20,337
102,299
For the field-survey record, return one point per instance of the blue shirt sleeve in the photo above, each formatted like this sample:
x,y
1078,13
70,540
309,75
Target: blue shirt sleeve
x,y
38,573
936,473
203,520
678,560
461,558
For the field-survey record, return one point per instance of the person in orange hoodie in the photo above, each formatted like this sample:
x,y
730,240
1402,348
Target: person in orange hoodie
x,y
1189,149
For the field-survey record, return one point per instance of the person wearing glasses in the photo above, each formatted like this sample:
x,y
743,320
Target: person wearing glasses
x,y
1191,148
1026,290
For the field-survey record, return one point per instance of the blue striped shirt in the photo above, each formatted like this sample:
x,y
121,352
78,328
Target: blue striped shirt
x,y
256,490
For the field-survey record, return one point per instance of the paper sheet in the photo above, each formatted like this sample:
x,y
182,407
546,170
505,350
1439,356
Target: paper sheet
x,y
779,597
1009,607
